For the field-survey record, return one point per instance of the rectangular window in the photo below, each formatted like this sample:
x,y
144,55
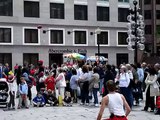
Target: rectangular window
x,y
122,36
158,31
122,58
30,58
158,14
6,8
122,14
57,10
147,14
5,35
31,9
80,37
148,29
56,37
6,58
157,1
123,1
80,12
31,36
147,2
102,38
103,0
102,13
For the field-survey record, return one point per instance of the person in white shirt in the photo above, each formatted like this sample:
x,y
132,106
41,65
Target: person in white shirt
x,y
84,85
116,104
12,89
124,81
61,82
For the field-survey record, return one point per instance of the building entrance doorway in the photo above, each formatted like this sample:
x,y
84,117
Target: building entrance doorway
x,y
55,58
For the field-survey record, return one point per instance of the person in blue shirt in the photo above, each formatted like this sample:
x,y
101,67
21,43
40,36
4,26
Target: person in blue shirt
x,y
38,101
140,73
23,89
74,85
1,70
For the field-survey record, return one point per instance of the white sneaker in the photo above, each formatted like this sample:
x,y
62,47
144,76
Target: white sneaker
x,y
87,104
81,103
91,104
96,105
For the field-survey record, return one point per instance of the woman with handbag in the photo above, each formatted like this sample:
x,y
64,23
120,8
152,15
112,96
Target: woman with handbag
x,y
152,89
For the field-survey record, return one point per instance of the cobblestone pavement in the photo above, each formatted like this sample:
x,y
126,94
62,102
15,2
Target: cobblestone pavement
x,y
76,112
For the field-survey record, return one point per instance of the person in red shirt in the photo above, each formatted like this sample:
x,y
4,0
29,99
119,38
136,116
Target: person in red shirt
x,y
50,83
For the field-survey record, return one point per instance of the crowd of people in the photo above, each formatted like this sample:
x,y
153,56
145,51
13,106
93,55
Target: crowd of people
x,y
65,85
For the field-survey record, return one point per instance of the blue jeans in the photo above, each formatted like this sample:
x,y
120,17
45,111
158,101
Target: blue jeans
x,y
101,85
95,90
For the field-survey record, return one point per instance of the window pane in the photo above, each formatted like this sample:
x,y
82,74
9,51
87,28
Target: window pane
x,y
56,36
102,13
6,8
158,31
103,0
147,14
6,58
157,1
31,36
148,29
158,14
147,1
123,0
31,9
80,37
102,38
122,14
122,36
57,10
30,58
5,35
80,12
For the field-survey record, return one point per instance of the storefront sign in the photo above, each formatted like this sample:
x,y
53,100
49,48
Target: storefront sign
x,y
67,51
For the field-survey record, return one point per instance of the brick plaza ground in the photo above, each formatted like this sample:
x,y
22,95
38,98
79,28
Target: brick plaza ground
x,y
76,112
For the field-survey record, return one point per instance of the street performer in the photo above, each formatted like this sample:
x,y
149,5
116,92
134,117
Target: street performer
x,y
115,102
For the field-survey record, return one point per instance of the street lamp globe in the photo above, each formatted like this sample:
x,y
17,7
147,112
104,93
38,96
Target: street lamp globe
x,y
141,46
98,31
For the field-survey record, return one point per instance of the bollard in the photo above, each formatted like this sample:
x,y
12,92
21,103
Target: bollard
x,y
60,101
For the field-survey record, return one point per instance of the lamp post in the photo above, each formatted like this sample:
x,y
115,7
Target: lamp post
x,y
135,27
44,31
97,31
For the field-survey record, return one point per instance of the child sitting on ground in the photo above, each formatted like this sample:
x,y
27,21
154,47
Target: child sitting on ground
x,y
67,99
51,99
38,101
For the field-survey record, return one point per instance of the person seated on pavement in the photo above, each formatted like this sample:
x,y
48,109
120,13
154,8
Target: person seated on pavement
x,y
67,99
38,101
51,99
43,92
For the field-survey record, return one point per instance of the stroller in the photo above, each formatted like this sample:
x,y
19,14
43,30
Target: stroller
x,y
3,92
